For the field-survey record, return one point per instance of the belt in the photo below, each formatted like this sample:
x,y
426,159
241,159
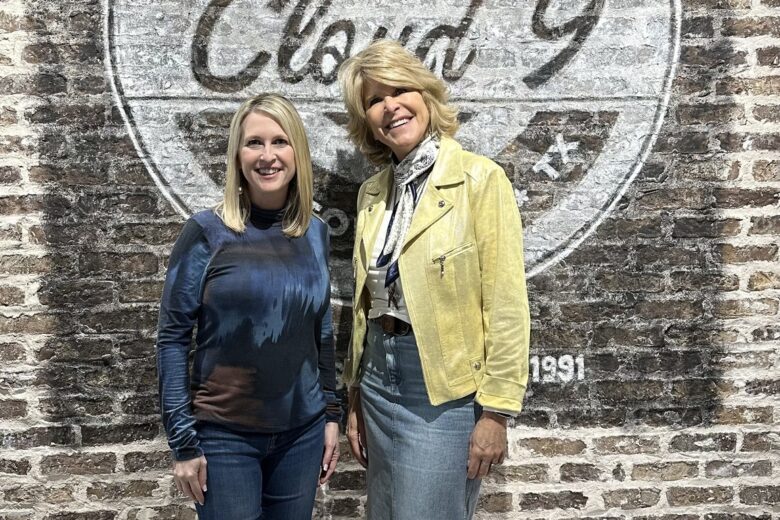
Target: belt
x,y
392,325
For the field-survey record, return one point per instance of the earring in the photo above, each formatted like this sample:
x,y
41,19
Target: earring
x,y
240,190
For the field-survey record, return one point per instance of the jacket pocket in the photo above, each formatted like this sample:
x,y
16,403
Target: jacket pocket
x,y
444,277
442,258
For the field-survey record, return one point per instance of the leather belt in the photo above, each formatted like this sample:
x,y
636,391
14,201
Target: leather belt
x,y
392,325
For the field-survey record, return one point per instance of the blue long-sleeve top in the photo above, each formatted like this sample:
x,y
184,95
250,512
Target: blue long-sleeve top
x,y
263,354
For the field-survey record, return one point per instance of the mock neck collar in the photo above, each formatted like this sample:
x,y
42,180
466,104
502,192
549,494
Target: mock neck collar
x,y
266,216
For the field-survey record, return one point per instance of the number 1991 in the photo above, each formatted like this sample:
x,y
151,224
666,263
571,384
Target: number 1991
x,y
561,369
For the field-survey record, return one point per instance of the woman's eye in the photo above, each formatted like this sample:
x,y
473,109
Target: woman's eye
x,y
400,91
253,142
280,142
373,101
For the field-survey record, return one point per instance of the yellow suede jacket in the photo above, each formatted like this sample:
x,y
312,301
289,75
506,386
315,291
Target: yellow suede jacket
x,y
463,280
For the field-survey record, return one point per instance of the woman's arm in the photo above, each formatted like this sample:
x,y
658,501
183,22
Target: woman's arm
x,y
327,368
327,350
178,314
505,313
356,428
505,317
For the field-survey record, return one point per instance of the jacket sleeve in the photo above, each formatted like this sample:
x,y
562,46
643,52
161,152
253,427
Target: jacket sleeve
x,y
350,377
327,353
505,313
178,314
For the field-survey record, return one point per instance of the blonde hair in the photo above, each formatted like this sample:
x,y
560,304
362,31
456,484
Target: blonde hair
x,y
235,207
387,62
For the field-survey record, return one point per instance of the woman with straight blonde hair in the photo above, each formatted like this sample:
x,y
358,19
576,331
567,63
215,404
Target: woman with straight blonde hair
x,y
254,428
439,353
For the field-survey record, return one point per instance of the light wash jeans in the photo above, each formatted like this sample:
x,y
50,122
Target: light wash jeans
x,y
417,453
256,475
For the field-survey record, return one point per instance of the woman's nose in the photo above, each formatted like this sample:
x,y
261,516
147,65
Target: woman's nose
x,y
267,153
391,104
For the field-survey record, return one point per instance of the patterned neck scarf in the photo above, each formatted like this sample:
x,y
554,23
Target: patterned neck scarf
x,y
408,175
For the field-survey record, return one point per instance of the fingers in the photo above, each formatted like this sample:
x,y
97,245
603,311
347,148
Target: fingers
x,y
356,438
484,468
362,441
487,446
356,430
330,452
202,477
480,465
473,466
185,489
189,476
327,455
195,491
330,468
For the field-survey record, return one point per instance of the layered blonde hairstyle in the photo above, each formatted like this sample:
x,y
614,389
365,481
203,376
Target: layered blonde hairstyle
x,y
235,207
387,62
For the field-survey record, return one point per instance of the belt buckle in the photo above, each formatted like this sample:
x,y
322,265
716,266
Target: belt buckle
x,y
402,328
394,326
388,324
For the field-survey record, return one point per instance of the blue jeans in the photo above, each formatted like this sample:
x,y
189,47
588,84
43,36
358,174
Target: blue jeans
x,y
253,476
417,452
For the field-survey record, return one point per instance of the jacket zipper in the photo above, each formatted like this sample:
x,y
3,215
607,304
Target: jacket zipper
x,y
441,260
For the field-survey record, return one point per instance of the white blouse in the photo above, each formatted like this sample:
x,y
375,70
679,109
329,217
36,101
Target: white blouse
x,y
375,282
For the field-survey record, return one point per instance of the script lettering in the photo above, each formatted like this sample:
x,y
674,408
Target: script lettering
x,y
335,42
581,26
200,55
455,35
295,36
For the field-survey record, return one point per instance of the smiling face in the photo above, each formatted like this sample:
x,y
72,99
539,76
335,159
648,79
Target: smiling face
x,y
267,161
398,117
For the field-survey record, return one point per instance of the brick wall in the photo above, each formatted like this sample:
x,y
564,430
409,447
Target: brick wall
x,y
655,329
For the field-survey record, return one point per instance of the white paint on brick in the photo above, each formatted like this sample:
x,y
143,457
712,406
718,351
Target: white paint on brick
x,y
625,66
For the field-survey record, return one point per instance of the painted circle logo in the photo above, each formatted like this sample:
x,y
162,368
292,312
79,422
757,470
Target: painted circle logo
x,y
567,96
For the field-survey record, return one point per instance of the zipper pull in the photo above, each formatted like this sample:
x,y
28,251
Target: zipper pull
x,y
441,260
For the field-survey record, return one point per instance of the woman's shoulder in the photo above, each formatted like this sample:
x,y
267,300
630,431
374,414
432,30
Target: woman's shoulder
x,y
317,222
206,218
476,166
374,185
318,233
209,226
376,178
318,226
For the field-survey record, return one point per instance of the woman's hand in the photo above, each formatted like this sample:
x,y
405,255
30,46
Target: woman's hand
x,y
487,445
190,478
330,456
356,429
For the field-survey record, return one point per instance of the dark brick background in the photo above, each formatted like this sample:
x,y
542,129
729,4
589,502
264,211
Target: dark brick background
x,y
673,301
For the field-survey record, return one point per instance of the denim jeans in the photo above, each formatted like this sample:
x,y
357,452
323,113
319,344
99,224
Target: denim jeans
x,y
417,452
253,476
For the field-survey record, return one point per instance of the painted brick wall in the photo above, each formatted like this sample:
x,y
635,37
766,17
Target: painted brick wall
x,y
646,167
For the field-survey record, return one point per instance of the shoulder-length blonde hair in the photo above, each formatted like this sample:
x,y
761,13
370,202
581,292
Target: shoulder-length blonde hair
x,y
387,62
235,206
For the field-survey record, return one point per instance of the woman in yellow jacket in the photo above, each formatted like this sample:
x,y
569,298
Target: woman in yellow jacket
x,y
439,351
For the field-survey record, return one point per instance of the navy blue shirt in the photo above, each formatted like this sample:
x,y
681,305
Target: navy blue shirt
x,y
264,354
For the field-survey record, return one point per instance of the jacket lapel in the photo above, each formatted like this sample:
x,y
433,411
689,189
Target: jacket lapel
x,y
434,203
376,195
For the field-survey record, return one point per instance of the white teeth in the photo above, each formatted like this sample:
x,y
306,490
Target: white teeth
x,y
397,123
267,171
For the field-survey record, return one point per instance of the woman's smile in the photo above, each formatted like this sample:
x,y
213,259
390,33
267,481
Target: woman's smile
x,y
398,117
